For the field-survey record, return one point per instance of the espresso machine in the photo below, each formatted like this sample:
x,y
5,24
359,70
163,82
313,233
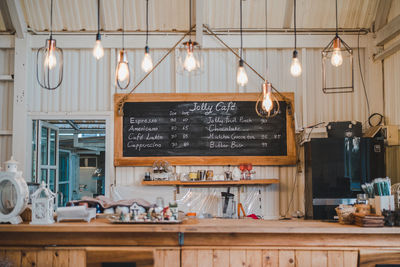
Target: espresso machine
x,y
335,170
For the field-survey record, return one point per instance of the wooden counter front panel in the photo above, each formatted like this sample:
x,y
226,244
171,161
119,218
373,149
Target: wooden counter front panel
x,y
239,257
41,257
89,256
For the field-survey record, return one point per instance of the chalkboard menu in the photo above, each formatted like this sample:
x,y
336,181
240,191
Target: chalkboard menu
x,y
223,128
201,128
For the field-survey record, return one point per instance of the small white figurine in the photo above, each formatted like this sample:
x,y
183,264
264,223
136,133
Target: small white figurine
x,y
135,211
43,205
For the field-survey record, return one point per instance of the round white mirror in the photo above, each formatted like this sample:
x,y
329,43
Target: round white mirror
x,y
14,196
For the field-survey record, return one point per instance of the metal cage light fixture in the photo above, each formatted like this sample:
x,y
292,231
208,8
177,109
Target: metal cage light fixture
x,y
334,57
98,51
189,55
49,61
147,62
122,72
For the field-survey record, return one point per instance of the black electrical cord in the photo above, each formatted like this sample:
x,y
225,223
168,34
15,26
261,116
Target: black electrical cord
x,y
98,17
336,21
123,24
381,119
51,20
266,37
190,20
147,22
294,18
362,76
241,32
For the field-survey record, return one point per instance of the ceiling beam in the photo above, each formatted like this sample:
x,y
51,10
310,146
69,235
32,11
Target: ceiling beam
x,y
388,32
162,42
382,14
7,41
287,20
12,13
6,78
6,16
73,125
393,48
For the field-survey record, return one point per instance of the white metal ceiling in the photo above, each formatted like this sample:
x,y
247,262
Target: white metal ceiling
x,y
171,15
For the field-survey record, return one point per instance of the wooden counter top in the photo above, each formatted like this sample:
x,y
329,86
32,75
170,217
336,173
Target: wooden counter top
x,y
206,226
219,232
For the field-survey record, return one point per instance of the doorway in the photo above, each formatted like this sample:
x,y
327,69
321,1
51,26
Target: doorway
x,y
69,155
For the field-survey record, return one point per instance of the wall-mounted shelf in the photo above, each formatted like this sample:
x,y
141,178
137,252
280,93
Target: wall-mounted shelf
x,y
212,183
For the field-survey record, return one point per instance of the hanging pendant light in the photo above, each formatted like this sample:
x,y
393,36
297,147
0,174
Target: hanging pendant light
x,y
336,53
336,56
189,56
295,67
49,61
241,75
267,104
98,51
122,73
147,62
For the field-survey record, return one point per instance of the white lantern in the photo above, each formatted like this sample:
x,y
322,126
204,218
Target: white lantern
x,y
11,165
43,205
14,196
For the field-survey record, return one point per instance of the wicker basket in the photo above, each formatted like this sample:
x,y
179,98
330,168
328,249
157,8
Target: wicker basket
x,y
344,213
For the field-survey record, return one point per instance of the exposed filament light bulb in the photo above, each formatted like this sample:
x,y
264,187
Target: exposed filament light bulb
x,y
147,62
50,59
123,71
241,76
295,67
190,61
98,51
123,68
267,103
336,58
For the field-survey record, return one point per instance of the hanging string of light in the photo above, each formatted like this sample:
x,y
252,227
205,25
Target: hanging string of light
x,y
295,67
123,74
98,51
192,62
334,52
147,62
241,75
267,104
49,61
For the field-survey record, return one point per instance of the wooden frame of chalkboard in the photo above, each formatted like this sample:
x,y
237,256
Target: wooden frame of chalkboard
x,y
148,113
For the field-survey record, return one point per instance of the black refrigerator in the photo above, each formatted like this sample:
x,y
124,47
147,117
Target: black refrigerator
x,y
336,168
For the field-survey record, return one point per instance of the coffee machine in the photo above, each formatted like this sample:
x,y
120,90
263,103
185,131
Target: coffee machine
x,y
335,170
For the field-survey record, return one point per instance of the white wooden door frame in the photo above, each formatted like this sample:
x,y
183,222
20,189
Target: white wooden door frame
x,y
47,166
69,172
106,116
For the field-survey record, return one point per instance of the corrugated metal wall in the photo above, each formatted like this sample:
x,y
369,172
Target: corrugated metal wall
x,y
88,86
6,104
392,112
